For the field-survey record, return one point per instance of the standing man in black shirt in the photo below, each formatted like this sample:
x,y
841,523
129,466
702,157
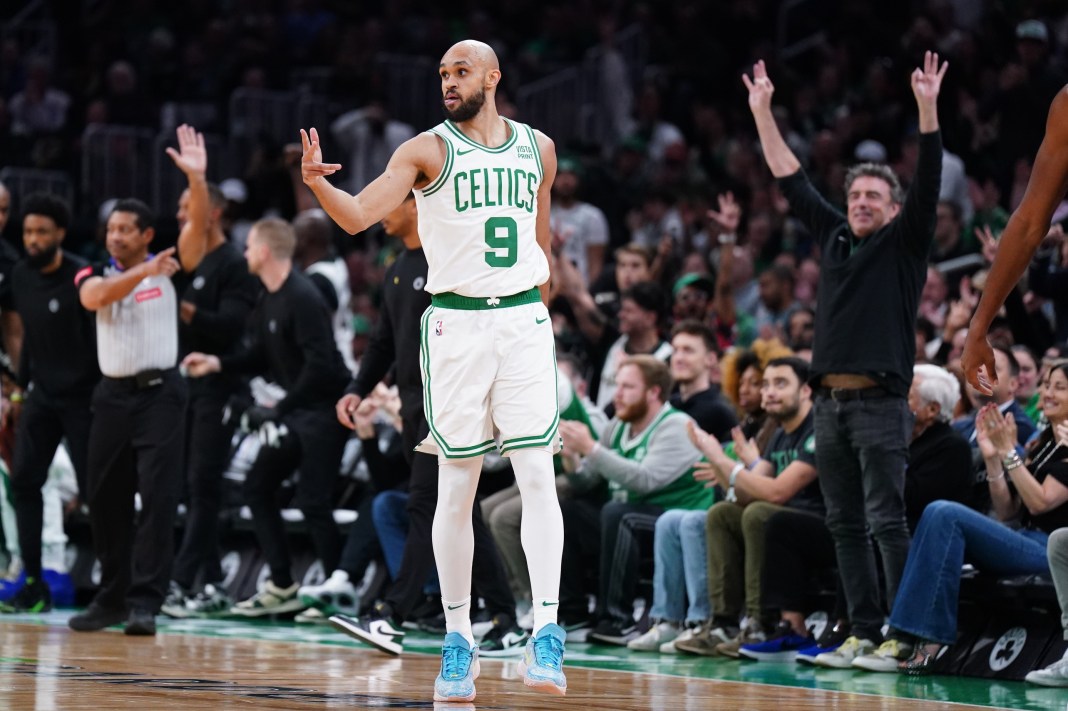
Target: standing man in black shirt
x,y
213,310
396,344
874,268
137,435
293,342
58,371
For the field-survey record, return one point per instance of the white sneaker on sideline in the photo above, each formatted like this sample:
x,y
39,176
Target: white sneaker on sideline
x,y
659,634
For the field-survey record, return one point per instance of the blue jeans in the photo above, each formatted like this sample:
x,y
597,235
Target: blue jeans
x,y
390,515
862,450
948,534
681,571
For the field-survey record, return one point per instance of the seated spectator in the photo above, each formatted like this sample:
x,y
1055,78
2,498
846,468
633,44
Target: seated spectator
x,y
646,457
1056,674
692,294
1004,397
924,619
633,265
776,301
799,545
642,307
801,329
949,240
503,510
1028,395
581,227
758,485
382,450
742,373
694,358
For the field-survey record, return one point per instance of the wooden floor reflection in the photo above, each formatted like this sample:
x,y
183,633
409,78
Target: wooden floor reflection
x,y
51,669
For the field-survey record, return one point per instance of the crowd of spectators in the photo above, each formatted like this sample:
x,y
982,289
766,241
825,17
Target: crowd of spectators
x,y
672,244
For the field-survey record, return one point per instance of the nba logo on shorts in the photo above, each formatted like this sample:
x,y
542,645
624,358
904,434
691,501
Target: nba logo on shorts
x,y
438,327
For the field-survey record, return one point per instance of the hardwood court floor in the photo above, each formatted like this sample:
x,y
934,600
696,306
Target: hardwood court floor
x,y
45,667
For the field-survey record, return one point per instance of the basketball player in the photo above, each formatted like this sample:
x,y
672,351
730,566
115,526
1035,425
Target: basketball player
x,y
1027,228
482,187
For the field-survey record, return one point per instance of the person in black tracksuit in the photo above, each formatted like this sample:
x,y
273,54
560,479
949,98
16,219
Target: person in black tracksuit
x,y
396,341
293,343
213,311
57,369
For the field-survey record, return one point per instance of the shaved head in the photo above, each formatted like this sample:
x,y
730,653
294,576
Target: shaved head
x,y
469,74
478,54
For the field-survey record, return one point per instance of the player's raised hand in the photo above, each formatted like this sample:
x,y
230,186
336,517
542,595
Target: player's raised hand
x,y
311,162
760,88
927,81
191,156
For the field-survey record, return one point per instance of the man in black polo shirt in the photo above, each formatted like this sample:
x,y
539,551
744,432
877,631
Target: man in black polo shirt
x,y
58,372
213,311
137,435
293,343
874,267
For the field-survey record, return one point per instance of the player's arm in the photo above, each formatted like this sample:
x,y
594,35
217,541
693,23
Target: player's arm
x,y
192,159
541,225
1026,229
412,164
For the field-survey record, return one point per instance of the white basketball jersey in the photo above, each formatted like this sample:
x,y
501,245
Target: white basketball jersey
x,y
476,219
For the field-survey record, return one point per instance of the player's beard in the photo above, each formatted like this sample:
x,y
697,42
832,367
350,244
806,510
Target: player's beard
x,y
467,109
633,412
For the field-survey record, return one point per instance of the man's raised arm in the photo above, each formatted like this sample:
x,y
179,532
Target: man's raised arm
x,y
780,159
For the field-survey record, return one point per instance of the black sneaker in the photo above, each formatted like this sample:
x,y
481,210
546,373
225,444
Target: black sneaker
x,y
140,623
428,608
377,628
96,618
505,638
435,624
573,621
34,596
613,632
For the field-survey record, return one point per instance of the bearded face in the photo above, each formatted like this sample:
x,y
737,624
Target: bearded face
x,y
466,109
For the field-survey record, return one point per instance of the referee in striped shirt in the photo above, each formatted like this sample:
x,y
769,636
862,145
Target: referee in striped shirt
x,y
137,435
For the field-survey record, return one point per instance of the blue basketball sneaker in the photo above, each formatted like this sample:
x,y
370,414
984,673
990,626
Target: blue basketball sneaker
x,y
459,669
543,659
8,588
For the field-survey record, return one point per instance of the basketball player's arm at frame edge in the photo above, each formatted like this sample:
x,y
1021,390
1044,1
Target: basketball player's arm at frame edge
x,y
541,225
1023,234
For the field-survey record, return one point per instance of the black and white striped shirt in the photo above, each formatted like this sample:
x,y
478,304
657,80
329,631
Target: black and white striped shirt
x,y
138,332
